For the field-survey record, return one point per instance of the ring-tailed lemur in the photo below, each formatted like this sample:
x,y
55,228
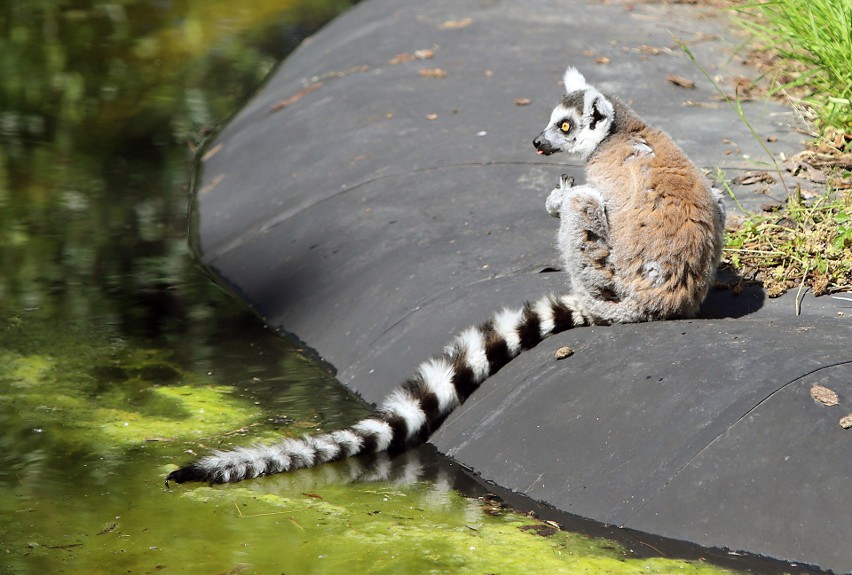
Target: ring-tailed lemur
x,y
640,241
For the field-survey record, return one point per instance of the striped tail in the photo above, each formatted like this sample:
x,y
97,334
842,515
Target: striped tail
x,y
413,410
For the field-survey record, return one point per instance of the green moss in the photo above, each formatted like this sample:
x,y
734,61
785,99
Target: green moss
x,y
419,528
60,395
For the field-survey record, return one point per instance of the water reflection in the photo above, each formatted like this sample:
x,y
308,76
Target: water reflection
x,y
106,322
101,106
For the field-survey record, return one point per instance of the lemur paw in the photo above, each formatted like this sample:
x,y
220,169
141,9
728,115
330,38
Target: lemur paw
x,y
554,202
557,196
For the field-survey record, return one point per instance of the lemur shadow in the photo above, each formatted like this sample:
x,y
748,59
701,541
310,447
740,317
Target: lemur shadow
x,y
732,296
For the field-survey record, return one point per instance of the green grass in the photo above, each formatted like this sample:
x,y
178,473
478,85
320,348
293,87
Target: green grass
x,y
816,34
806,242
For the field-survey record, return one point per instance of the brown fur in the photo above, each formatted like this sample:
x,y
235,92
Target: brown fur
x,y
660,209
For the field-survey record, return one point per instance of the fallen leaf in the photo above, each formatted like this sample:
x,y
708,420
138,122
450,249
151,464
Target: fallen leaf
x,y
312,495
751,179
109,528
211,152
563,352
455,24
425,54
340,73
824,395
401,59
432,72
295,97
653,50
681,81
522,101
602,60
432,117
215,182
846,421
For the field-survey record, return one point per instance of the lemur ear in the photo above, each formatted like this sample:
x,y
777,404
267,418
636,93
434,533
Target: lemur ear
x,y
574,80
597,108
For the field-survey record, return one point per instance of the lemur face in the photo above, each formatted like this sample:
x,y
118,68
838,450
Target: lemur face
x,y
561,132
579,123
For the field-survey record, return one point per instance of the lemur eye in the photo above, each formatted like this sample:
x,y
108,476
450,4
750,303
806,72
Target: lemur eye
x,y
565,127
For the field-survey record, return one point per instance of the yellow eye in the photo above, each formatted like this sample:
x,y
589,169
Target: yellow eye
x,y
565,127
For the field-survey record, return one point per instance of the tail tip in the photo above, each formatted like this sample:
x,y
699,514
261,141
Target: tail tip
x,y
187,474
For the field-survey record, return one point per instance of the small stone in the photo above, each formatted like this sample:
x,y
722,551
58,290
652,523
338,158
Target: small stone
x,y
846,421
563,352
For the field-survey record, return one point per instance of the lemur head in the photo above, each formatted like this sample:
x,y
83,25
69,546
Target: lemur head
x,y
580,122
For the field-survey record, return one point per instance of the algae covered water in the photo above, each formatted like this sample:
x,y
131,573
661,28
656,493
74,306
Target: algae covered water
x,y
119,357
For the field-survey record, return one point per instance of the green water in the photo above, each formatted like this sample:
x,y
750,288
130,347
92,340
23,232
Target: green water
x,y
119,358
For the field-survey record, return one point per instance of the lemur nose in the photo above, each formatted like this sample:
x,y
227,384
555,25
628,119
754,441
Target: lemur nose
x,y
537,143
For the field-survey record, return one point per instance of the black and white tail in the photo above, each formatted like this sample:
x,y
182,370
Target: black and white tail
x,y
412,411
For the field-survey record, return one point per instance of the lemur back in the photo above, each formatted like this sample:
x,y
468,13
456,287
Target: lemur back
x,y
640,242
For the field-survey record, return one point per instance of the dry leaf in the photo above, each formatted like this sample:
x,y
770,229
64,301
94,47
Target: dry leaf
x,y
681,81
425,54
563,352
602,60
340,73
454,24
432,72
653,50
401,59
295,97
431,116
212,152
824,395
846,421
751,179
522,101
